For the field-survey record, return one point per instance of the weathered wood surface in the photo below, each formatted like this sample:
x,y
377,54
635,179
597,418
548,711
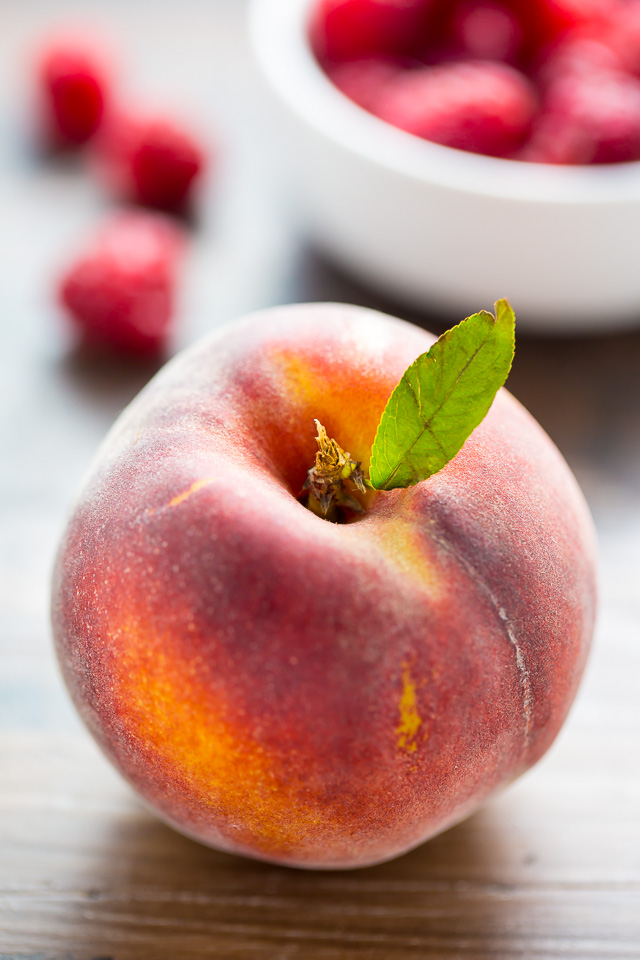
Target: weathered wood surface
x,y
551,869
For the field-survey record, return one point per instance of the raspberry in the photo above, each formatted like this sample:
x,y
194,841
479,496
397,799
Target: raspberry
x,y
553,20
590,105
364,81
479,106
352,29
599,112
73,89
624,37
486,31
578,54
150,159
559,17
558,140
120,293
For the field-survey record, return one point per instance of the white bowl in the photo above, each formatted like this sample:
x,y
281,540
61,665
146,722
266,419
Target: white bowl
x,y
439,228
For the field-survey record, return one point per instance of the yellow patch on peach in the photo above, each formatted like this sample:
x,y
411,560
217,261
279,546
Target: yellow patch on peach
x,y
402,546
410,719
355,405
166,707
194,488
182,497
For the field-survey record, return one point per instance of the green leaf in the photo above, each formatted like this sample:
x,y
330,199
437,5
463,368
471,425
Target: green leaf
x,y
442,398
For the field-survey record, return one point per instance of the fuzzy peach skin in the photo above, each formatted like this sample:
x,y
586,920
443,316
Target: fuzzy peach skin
x,y
314,694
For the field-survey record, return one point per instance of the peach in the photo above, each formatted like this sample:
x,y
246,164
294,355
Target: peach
x,y
305,692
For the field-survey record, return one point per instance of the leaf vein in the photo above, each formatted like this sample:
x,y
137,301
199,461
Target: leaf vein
x,y
426,423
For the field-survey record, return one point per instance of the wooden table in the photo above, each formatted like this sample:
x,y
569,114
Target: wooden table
x,y
550,869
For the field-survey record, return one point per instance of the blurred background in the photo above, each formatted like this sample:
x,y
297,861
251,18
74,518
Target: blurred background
x,y
550,869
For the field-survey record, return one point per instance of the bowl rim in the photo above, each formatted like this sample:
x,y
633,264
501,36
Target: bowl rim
x,y
279,37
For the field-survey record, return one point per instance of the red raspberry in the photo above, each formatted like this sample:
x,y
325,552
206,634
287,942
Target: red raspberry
x,y
545,22
73,89
559,17
364,81
479,106
352,29
120,293
150,159
558,140
624,37
579,54
589,119
485,30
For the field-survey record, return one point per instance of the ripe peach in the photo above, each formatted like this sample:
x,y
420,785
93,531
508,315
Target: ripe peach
x,y
310,693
